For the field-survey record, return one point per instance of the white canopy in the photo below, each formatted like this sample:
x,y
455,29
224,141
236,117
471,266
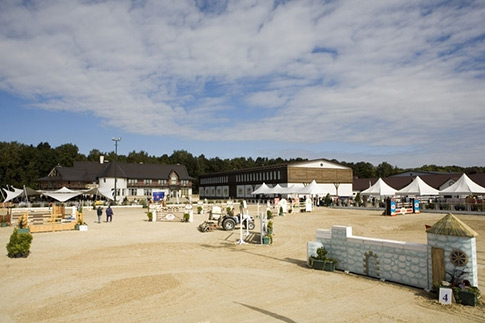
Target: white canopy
x,y
380,188
463,186
278,189
418,187
312,189
11,195
263,189
62,194
97,191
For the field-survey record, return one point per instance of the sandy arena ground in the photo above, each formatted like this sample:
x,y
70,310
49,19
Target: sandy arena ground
x,y
134,271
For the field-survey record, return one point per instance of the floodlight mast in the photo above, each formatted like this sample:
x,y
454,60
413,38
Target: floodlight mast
x,y
116,140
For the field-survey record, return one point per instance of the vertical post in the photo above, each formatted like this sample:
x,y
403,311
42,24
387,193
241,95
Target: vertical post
x,y
116,140
336,191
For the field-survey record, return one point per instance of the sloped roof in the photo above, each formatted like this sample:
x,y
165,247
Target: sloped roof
x,y
464,186
380,188
90,171
449,225
418,187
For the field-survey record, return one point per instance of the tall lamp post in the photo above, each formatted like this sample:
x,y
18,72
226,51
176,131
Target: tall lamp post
x,y
336,191
116,140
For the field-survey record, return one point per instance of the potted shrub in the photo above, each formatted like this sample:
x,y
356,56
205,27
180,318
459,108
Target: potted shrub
x,y
199,209
269,227
23,224
317,260
463,292
281,211
269,214
150,216
4,221
268,239
320,261
186,217
19,244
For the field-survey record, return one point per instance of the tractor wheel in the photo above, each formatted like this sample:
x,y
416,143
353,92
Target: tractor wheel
x,y
251,225
228,224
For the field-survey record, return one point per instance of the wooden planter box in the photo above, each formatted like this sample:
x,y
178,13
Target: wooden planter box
x,y
467,298
318,264
329,266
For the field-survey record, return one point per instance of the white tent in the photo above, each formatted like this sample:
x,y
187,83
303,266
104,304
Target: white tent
x,y
418,187
311,189
97,191
278,189
63,194
380,188
11,195
463,186
263,189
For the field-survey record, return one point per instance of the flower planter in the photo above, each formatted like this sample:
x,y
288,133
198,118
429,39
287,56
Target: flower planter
x,y
318,264
467,298
83,227
266,240
328,266
4,224
23,230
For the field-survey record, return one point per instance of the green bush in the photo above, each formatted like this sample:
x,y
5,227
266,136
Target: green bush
x,y
19,244
269,214
186,217
150,216
199,209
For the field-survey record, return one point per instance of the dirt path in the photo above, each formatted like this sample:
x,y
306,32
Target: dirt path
x,y
134,271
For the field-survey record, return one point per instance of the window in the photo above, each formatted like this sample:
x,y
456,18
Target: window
x,y
173,179
147,181
162,182
132,181
132,191
147,192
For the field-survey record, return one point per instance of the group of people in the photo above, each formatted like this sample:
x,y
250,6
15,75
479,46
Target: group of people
x,y
109,214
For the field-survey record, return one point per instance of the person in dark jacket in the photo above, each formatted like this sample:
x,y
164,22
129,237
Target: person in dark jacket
x,y
100,213
109,214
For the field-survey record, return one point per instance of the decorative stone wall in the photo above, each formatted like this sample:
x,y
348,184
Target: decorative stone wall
x,y
398,261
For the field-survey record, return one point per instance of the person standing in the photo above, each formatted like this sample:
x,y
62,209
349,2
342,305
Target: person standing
x,y
109,214
100,213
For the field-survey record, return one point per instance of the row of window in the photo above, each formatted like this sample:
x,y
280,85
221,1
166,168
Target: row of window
x,y
244,178
161,182
214,180
259,176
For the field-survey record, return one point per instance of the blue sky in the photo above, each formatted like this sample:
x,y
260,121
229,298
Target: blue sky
x,y
395,81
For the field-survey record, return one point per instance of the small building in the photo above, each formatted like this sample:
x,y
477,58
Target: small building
x,y
331,177
133,181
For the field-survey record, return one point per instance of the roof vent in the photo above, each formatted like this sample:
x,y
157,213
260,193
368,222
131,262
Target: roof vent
x,y
101,159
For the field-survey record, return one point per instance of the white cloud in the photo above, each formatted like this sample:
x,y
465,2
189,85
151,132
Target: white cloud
x,y
373,74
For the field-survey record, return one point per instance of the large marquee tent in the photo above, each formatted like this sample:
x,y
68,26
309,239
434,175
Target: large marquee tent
x,y
463,186
60,195
418,187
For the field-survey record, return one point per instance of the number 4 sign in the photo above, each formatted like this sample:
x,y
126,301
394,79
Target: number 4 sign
x,y
445,296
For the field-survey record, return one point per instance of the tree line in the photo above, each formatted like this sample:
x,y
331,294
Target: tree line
x,y
22,164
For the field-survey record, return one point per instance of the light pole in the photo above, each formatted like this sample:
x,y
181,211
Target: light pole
x,y
116,140
336,191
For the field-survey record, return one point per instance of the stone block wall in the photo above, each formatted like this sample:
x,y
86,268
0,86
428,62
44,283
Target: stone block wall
x,y
398,261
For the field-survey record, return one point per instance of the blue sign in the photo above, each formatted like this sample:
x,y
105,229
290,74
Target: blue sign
x,y
157,196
